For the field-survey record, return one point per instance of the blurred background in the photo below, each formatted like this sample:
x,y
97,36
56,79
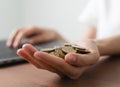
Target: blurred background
x,y
61,15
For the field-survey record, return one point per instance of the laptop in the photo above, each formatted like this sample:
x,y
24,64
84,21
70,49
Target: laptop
x,y
9,56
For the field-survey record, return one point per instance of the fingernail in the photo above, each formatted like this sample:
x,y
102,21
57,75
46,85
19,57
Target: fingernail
x,y
72,59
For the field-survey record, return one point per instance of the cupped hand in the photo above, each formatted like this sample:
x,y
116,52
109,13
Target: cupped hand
x,y
73,66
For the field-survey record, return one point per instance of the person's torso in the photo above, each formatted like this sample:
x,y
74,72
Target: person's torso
x,y
108,18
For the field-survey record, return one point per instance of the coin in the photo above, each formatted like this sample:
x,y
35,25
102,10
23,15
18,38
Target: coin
x,y
78,48
48,50
68,49
67,44
61,51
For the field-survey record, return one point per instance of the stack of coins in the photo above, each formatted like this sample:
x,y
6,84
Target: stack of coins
x,y
65,49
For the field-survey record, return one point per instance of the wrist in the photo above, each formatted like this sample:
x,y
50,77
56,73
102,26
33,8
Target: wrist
x,y
101,47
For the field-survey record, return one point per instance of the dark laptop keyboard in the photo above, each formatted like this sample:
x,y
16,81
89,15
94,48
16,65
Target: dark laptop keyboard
x,y
6,52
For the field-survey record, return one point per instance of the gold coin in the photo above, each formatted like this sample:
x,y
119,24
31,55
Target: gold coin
x,y
59,52
48,50
68,49
65,49
67,44
78,47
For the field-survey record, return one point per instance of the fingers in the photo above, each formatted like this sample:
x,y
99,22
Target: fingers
x,y
29,58
17,35
16,38
81,59
57,63
34,35
23,33
49,62
27,52
12,38
60,65
30,49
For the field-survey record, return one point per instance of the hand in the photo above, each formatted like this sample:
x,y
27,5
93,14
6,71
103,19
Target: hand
x,y
33,34
73,66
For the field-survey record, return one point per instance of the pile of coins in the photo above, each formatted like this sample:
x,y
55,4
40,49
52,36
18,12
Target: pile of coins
x,y
67,48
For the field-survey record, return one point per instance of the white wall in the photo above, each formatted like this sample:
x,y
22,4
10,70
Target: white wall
x,y
58,14
10,16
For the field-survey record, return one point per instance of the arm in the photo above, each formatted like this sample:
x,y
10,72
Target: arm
x,y
90,33
73,65
109,46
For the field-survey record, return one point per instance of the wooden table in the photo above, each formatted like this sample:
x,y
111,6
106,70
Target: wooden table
x,y
104,74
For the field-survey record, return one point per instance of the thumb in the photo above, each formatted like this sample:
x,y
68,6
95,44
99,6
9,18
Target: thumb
x,y
80,59
41,38
38,39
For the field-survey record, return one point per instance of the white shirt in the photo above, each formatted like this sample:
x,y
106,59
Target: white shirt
x,y
104,15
